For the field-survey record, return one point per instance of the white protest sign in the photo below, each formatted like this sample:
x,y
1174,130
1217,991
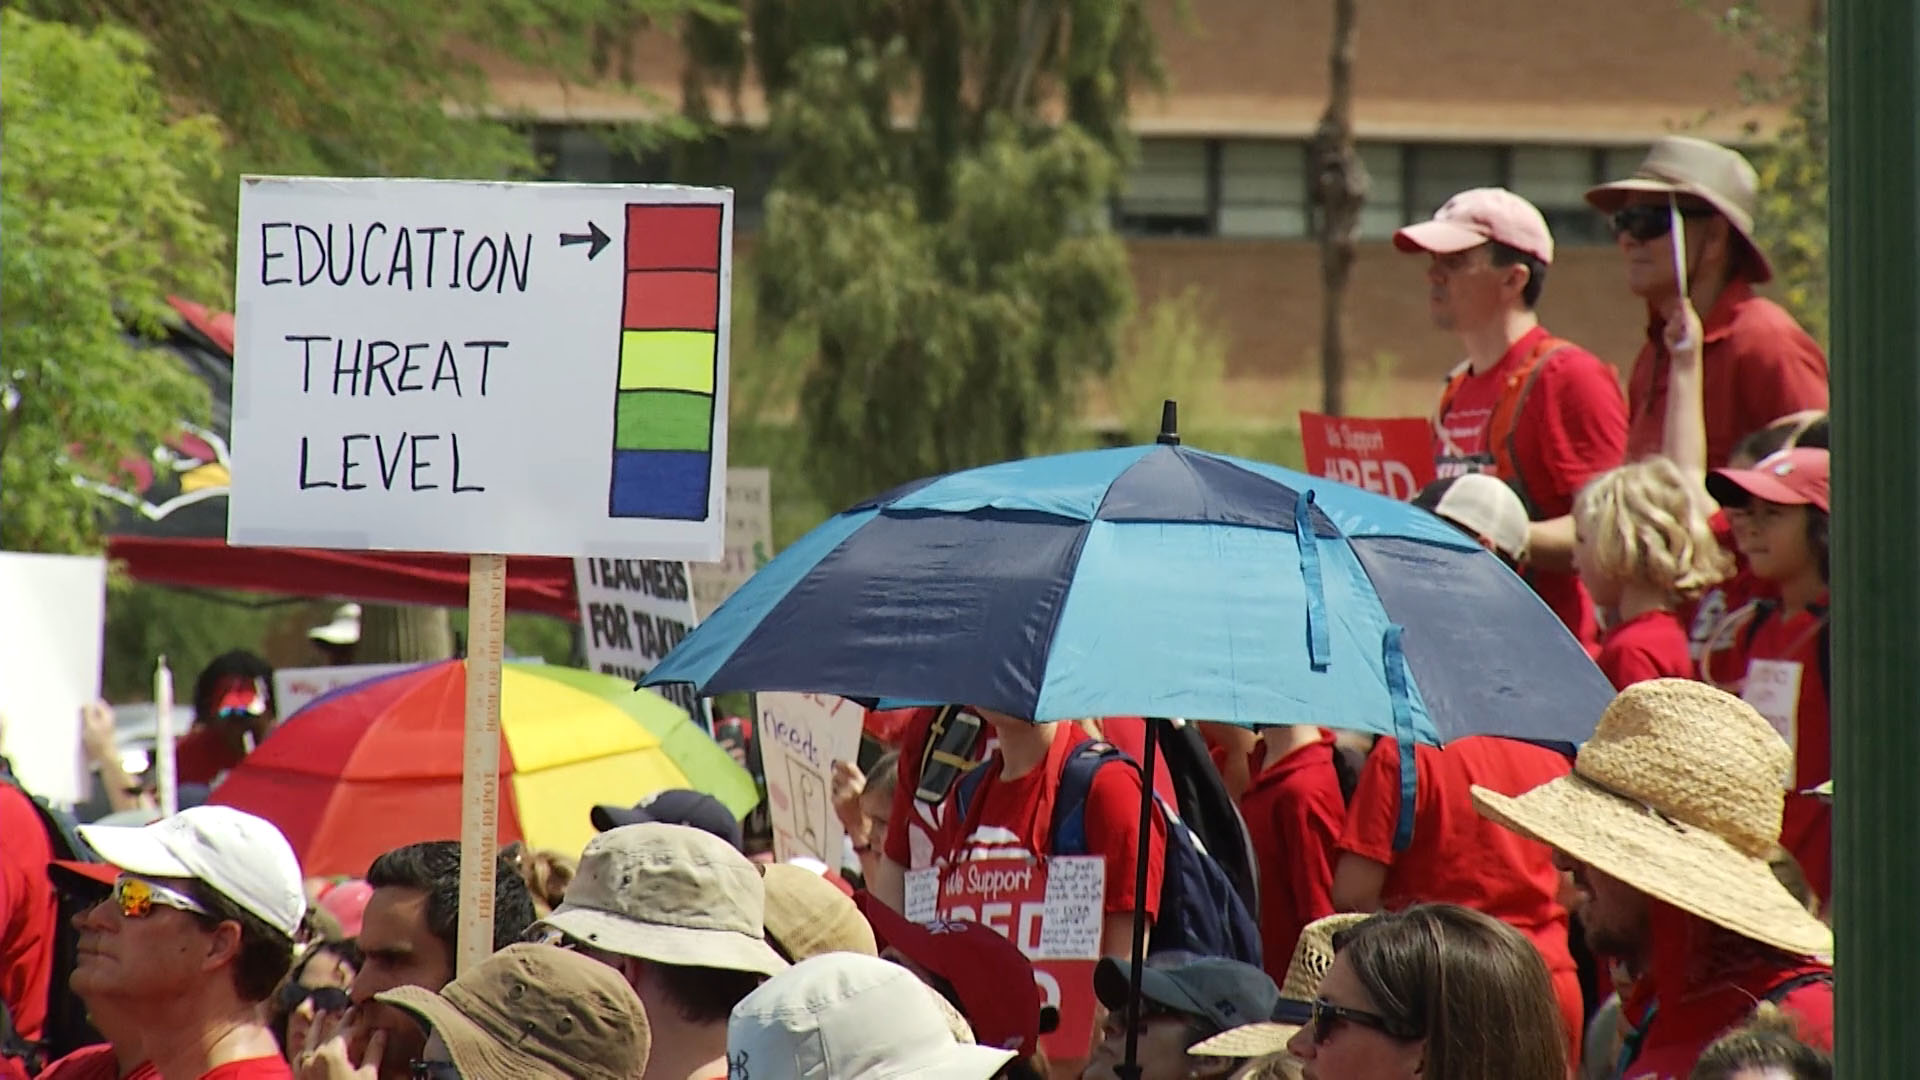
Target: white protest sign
x,y
296,688
52,609
749,539
632,613
801,736
481,367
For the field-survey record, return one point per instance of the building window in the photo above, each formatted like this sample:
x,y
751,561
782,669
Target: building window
x,y
1166,194
1437,173
1556,179
1263,188
1386,207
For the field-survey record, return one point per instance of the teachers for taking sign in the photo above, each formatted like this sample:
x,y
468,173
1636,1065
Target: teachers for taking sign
x,y
483,367
632,613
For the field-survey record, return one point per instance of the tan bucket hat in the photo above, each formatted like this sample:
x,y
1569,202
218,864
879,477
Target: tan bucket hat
x,y
807,915
1312,956
671,894
1682,165
1679,795
534,1011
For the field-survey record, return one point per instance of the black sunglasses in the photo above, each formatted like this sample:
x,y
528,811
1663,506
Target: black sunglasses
x,y
1650,221
1323,1017
325,998
432,1070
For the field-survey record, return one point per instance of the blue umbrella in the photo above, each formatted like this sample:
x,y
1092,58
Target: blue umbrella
x,y
1157,581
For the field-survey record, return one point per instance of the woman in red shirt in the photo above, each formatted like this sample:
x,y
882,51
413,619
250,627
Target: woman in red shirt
x,y
1643,547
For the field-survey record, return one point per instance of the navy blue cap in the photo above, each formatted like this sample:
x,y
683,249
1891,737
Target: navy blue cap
x,y
1224,993
674,806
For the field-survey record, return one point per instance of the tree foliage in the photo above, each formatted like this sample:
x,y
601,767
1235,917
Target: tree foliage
x,y
935,229
101,223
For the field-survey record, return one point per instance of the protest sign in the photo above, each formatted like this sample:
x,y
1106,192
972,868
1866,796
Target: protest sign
x,y
1051,908
1390,457
296,688
633,612
749,539
801,736
54,607
459,366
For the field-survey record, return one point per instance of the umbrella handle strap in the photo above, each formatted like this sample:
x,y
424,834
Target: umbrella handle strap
x,y
1399,693
1319,639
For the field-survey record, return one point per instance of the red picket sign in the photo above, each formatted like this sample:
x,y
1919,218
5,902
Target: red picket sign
x,y
1393,457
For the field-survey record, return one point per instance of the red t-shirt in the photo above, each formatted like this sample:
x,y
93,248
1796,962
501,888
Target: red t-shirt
x,y
1757,366
201,755
1790,645
1294,815
1459,857
29,911
1572,427
1652,645
95,1063
1716,619
1014,817
266,1068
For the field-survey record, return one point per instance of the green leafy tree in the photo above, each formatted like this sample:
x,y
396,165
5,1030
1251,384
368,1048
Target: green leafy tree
x,y
100,222
953,276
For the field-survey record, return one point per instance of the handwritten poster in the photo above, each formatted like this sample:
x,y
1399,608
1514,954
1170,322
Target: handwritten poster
x,y
52,611
749,539
632,613
1051,908
296,688
429,365
1389,457
801,736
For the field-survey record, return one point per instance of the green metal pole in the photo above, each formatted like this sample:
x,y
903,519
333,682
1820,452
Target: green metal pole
x,y
1875,112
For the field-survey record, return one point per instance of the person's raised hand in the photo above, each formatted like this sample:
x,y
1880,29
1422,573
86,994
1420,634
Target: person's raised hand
x,y
326,1055
1682,332
96,730
849,783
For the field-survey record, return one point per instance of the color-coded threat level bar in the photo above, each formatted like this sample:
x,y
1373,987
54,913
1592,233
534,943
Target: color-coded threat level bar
x,y
669,362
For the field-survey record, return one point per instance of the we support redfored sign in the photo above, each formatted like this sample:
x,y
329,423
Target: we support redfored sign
x,y
1051,908
1392,457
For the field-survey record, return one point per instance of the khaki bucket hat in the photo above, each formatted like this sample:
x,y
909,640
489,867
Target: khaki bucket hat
x,y
1682,165
672,894
807,915
1312,956
1679,795
534,1012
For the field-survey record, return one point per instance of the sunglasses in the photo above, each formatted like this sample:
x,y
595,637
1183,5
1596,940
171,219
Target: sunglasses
x,y
1323,1018
325,998
1649,221
135,897
432,1070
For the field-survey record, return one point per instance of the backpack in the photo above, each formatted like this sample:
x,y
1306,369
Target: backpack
x,y
1504,424
1207,809
1201,911
66,1028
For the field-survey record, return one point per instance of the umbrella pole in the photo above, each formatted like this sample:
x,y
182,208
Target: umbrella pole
x,y
1130,1064
480,776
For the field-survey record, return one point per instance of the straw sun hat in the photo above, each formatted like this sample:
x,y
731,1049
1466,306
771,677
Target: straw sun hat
x,y
1678,795
1312,956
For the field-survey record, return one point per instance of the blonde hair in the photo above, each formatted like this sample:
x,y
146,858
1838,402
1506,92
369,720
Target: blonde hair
x,y
546,874
1648,522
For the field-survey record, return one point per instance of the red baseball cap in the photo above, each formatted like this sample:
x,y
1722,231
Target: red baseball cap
x,y
1479,216
98,873
988,973
1795,477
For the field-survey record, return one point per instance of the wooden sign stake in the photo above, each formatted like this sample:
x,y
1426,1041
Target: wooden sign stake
x,y
480,780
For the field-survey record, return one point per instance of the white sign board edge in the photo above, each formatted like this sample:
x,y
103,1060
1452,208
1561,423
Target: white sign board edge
x,y
801,736
296,688
50,644
749,531
536,445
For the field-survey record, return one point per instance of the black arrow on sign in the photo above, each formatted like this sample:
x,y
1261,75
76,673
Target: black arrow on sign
x,y
593,237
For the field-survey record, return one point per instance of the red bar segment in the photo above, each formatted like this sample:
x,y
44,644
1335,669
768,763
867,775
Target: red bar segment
x,y
673,237
672,300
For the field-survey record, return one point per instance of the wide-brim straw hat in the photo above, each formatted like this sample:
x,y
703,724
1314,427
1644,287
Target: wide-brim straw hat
x,y
1312,956
1679,795
1682,165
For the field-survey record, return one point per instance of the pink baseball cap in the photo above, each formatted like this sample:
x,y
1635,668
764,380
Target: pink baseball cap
x,y
347,903
1479,216
1798,476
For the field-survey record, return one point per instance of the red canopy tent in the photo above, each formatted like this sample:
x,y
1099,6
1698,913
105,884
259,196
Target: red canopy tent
x,y
173,525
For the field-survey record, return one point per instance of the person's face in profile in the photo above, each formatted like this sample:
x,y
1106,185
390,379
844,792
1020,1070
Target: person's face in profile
x,y
397,949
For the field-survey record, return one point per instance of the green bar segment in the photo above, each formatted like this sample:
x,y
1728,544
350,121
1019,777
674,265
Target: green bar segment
x,y
663,420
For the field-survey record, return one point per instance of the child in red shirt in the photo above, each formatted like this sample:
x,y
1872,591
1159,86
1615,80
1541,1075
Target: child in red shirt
x,y
1294,812
1643,547
1779,510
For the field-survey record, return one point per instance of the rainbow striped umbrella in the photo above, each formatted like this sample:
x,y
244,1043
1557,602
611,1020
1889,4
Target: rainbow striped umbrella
x,y
376,765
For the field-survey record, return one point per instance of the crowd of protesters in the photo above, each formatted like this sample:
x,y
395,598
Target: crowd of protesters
x,y
1649,910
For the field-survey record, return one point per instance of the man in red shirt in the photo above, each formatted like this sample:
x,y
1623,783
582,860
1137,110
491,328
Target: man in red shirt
x,y
1758,364
197,935
1294,813
1541,413
233,711
1455,856
1667,825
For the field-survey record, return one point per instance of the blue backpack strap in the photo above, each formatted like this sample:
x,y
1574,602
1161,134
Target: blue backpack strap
x,y
1399,692
1068,835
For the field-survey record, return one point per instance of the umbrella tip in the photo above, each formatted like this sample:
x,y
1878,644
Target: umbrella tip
x,y
1169,424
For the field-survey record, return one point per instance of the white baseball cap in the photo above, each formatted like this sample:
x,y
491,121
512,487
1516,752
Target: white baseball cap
x,y
242,857
843,1016
1483,505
